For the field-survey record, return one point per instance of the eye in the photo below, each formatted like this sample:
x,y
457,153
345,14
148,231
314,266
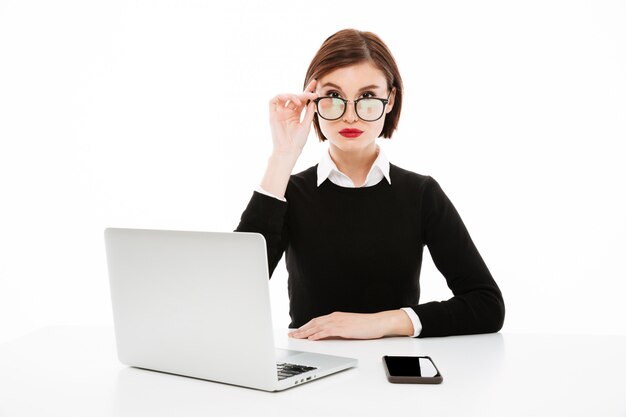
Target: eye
x,y
331,94
368,94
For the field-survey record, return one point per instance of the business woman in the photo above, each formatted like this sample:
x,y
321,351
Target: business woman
x,y
353,227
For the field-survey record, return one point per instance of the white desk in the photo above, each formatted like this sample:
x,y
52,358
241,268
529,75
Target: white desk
x,y
73,371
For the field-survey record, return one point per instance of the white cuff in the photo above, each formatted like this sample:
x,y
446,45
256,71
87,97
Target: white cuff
x,y
417,324
262,191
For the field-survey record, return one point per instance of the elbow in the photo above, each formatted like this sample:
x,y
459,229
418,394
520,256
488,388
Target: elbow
x,y
500,320
496,317
492,312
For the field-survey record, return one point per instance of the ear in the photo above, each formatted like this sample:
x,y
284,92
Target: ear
x,y
392,100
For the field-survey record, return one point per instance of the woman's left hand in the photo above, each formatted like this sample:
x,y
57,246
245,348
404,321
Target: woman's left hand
x,y
354,325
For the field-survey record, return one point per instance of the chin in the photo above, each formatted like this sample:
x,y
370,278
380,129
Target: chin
x,y
353,142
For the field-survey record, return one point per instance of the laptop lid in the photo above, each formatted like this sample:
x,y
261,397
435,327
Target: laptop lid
x,y
193,303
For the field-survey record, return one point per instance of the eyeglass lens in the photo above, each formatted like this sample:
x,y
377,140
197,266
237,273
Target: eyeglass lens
x,y
366,109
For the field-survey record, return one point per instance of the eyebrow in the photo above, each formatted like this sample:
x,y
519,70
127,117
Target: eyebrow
x,y
368,87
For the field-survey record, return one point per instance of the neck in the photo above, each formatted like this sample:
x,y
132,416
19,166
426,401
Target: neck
x,y
355,164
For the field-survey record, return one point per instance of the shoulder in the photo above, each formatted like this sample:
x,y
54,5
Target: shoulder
x,y
303,180
425,189
306,175
401,177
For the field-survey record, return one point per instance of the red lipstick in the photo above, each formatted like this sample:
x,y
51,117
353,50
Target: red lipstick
x,y
350,133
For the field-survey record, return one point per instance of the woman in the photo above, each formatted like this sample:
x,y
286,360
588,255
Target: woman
x,y
353,227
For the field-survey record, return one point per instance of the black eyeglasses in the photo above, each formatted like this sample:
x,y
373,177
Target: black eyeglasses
x,y
368,109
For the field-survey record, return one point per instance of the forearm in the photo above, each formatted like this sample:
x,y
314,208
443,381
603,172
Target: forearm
x,y
480,311
277,173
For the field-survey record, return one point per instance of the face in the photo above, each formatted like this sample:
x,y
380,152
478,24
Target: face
x,y
350,83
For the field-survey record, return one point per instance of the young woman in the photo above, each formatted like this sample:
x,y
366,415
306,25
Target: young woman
x,y
353,227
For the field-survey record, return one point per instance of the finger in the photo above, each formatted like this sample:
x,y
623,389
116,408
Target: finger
x,y
290,97
279,102
294,334
313,326
309,114
309,91
293,102
307,96
314,322
308,332
285,98
311,86
299,332
303,331
320,335
284,101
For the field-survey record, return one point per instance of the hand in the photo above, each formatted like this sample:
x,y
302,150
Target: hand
x,y
356,326
289,134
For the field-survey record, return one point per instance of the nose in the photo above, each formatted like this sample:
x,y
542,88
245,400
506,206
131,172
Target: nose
x,y
350,113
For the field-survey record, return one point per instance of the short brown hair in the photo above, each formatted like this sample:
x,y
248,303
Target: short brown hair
x,y
350,47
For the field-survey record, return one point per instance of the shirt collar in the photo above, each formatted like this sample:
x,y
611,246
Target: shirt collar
x,y
327,165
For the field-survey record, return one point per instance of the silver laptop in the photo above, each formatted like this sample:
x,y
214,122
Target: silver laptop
x,y
197,304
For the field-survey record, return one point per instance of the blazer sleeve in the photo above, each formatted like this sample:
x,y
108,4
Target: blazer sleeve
x,y
267,215
477,305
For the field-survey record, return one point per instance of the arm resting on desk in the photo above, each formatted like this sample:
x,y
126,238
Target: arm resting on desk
x,y
477,305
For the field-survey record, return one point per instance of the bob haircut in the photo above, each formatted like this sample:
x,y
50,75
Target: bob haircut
x,y
350,47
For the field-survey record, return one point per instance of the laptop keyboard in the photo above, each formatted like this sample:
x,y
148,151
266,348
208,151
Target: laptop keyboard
x,y
285,370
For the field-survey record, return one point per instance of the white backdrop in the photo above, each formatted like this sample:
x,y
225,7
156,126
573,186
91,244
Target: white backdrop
x,y
153,114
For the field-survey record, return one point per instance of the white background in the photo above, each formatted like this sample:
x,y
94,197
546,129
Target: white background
x,y
153,114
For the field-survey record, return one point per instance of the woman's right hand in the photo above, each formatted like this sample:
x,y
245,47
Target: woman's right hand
x,y
289,134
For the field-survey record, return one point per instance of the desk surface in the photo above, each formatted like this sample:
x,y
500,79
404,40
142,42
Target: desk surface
x,y
74,371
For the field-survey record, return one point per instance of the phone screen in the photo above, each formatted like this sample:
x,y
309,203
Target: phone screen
x,y
416,366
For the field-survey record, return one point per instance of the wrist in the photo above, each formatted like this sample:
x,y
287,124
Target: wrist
x,y
284,158
396,323
277,173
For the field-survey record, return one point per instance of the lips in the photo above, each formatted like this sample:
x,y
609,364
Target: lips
x,y
350,133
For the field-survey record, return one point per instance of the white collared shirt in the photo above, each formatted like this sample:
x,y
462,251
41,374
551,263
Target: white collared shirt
x,y
327,169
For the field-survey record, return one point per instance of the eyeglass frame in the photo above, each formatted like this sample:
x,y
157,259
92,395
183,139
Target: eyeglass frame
x,y
345,106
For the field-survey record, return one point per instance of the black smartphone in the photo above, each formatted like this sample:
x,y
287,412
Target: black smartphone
x,y
411,370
